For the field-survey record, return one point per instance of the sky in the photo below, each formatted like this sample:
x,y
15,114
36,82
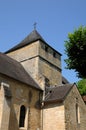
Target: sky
x,y
54,18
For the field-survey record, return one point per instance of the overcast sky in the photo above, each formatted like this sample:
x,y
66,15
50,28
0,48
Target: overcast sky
x,y
55,19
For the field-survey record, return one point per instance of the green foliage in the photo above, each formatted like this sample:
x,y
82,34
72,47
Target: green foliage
x,y
82,86
75,49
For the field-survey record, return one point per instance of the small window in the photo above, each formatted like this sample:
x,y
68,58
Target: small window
x,y
54,54
22,116
46,48
47,82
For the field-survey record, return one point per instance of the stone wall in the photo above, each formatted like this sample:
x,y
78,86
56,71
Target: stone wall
x,y
51,73
22,95
75,111
50,55
26,52
53,117
40,63
5,106
1,104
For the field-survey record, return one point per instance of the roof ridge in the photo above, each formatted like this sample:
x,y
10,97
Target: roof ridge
x,y
59,93
32,37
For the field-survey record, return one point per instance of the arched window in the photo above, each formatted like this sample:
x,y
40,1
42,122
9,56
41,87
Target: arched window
x,y
22,116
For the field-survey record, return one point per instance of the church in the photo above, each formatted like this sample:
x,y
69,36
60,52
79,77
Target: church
x,y
33,93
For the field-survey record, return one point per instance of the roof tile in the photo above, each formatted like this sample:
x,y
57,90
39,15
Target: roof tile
x,y
32,37
58,93
15,70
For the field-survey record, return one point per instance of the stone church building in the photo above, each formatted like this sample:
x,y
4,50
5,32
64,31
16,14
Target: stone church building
x,y
33,93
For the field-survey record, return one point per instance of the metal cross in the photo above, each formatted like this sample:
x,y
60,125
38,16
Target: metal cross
x,y
35,25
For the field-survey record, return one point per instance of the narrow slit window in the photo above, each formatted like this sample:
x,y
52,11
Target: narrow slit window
x,y
22,116
54,54
46,48
77,114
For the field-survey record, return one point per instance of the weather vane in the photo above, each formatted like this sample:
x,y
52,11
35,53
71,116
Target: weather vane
x,y
35,24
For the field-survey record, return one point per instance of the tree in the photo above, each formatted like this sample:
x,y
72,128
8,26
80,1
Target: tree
x,y
75,49
82,86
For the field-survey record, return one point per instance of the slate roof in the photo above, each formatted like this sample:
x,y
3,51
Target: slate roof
x,y
64,80
58,94
15,70
32,37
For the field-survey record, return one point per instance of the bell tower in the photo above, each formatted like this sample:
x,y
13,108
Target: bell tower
x,y
39,59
